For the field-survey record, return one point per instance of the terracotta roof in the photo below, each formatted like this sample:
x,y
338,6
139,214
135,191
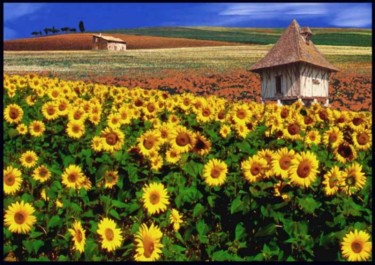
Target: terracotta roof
x,y
109,38
291,48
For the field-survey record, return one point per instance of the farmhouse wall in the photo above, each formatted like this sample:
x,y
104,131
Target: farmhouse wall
x,y
313,81
113,46
290,81
99,43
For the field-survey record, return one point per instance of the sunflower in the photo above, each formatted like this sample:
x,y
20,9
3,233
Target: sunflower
x,y
340,118
312,137
148,142
253,168
114,120
28,159
77,114
75,129
19,217
30,100
362,139
110,178
356,246
155,198
110,234
345,153
156,162
13,113
172,156
181,139
332,181
41,173
281,162
50,111
37,128
358,122
202,145
333,137
215,172
176,219
113,139
205,114
79,237
292,129
241,130
62,107
73,177
12,180
240,113
353,179
224,131
148,246
96,144
125,114
303,169
22,129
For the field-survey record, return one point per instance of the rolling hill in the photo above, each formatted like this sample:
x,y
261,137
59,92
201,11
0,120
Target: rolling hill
x,y
82,41
322,36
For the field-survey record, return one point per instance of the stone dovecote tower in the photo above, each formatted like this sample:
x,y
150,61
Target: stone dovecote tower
x,y
294,68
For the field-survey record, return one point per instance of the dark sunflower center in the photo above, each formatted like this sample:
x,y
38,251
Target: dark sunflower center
x,y
255,169
345,151
138,103
154,198
357,121
77,115
340,120
150,107
363,138
13,113
111,138
109,235
148,246
304,169
323,115
215,172
332,137
10,179
308,120
62,106
206,112
50,110
312,137
221,115
163,134
29,159
284,113
350,181
73,177
356,247
43,172
148,143
293,129
241,114
183,139
37,128
79,236
284,162
186,102
200,144
110,177
19,218
76,128
332,183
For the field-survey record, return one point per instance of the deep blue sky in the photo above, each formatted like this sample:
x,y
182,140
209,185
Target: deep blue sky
x,y
20,19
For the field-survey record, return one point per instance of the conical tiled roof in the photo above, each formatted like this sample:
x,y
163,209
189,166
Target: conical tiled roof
x,y
291,48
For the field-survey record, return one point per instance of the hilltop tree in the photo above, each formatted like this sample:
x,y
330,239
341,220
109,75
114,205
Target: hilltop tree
x,y
81,26
73,30
46,30
65,29
35,33
40,33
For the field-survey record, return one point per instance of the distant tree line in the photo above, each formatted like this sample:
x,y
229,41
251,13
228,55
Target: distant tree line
x,y
54,30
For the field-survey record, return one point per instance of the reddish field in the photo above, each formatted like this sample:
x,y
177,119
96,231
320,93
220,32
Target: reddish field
x,y
82,41
347,91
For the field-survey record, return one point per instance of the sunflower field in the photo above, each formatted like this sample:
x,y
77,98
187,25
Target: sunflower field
x,y
100,173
